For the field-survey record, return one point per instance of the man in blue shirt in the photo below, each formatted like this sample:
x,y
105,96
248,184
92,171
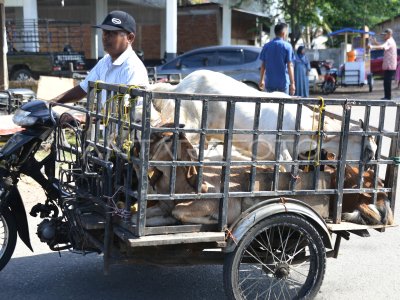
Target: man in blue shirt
x,y
276,72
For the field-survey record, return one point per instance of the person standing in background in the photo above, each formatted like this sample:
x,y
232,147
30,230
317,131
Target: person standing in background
x,y
301,69
276,73
389,60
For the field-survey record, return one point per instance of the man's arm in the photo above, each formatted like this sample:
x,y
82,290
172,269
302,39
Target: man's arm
x,y
72,95
261,84
377,46
292,87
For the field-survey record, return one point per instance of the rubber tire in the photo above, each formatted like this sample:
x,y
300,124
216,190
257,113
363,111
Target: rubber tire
x,y
317,259
328,87
7,222
21,75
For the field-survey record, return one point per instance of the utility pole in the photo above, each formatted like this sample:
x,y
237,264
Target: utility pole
x,y
3,49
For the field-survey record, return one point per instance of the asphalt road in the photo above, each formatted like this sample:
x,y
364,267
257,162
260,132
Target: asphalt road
x,y
367,268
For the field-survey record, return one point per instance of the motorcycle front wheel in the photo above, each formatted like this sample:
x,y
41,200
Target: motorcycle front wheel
x,y
8,237
328,87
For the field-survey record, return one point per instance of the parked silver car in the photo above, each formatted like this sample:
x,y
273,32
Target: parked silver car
x,y
239,62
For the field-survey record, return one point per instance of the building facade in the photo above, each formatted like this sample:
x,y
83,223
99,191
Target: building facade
x,y
197,25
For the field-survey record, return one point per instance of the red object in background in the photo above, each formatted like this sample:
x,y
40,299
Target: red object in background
x,y
377,60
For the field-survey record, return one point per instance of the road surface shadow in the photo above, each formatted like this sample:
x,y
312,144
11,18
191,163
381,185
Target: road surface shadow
x,y
73,276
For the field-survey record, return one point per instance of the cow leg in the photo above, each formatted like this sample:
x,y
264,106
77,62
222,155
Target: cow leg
x,y
196,212
285,156
205,211
383,206
365,214
354,217
160,210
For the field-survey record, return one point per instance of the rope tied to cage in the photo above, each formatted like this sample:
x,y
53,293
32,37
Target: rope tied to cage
x,y
127,144
283,202
322,108
115,210
96,90
229,235
117,97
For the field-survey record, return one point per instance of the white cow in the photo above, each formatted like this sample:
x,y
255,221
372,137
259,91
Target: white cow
x,y
209,82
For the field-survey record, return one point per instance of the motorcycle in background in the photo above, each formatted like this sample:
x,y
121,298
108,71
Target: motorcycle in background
x,y
343,77
330,81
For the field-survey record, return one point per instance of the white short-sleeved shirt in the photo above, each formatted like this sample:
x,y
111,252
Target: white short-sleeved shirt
x,y
126,69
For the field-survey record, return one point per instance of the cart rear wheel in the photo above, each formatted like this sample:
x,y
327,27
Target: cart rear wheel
x,y
282,257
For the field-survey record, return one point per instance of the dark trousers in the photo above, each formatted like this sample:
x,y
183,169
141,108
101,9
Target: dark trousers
x,y
387,83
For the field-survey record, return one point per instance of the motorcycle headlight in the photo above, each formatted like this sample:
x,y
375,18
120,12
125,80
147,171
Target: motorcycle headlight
x,y
22,118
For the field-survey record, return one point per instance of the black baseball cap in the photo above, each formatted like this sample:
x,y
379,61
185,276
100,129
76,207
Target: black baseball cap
x,y
118,20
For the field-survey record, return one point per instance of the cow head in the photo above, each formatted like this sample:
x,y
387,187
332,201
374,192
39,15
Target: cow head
x,y
161,149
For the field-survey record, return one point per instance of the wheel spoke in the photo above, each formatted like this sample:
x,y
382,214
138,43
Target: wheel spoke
x,y
294,268
256,282
268,246
288,235
259,261
3,235
301,238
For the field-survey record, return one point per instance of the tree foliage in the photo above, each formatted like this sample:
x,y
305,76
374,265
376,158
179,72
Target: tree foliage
x,y
330,14
299,14
357,13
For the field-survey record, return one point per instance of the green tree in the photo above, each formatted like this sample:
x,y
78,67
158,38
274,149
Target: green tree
x,y
329,14
357,13
299,14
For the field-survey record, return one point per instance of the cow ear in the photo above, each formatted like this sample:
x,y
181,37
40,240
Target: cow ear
x,y
167,134
191,177
351,171
331,156
369,196
187,152
170,133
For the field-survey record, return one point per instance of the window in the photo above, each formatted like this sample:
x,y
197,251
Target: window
x,y
196,60
226,58
250,56
172,65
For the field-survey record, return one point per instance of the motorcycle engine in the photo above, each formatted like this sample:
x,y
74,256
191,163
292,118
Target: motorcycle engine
x,y
54,232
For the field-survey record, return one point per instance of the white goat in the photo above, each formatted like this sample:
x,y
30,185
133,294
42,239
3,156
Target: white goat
x,y
209,82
